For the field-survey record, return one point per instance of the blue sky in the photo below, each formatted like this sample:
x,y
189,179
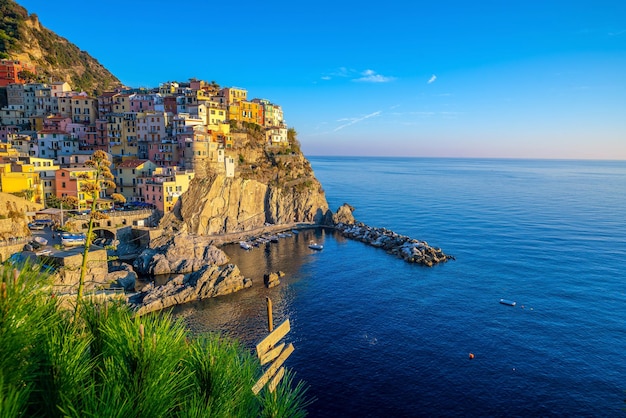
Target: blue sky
x,y
502,79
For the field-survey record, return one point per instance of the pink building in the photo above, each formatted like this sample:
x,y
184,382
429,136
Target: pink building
x,y
56,122
142,103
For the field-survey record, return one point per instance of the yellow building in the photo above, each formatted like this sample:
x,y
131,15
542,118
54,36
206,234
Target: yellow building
x,y
234,94
126,177
46,168
165,186
84,109
7,152
21,178
121,103
122,134
244,111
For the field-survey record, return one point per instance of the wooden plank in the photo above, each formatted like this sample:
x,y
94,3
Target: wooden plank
x,y
272,369
272,354
274,382
269,341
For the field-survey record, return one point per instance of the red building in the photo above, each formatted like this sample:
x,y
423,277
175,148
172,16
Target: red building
x,y
10,70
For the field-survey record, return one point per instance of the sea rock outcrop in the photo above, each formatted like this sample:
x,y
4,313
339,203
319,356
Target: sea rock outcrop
x,y
272,279
178,254
208,282
407,248
344,215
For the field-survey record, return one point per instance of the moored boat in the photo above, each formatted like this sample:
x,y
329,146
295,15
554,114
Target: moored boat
x,y
316,246
508,302
71,240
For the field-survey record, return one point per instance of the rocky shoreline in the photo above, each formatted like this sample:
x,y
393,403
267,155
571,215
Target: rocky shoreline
x,y
203,271
409,249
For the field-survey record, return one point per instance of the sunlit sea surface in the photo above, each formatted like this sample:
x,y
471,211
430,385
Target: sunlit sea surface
x,y
377,337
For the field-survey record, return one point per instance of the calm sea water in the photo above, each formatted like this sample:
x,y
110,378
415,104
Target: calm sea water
x,y
375,336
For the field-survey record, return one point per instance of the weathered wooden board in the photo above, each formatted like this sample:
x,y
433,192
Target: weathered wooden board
x,y
272,369
275,336
274,382
272,354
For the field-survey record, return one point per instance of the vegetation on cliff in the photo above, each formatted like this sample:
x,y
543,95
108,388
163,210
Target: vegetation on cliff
x,y
279,165
110,363
23,38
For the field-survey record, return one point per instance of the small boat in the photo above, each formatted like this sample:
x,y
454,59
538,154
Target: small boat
x,y
71,240
41,240
295,231
316,246
245,245
507,302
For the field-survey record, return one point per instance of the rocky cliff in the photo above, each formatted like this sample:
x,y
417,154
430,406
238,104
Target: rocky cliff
x,y
23,38
223,205
266,189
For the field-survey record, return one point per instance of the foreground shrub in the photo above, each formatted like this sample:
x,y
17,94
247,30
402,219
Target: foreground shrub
x,y
108,363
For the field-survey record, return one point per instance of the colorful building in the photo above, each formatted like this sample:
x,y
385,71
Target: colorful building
x,y
84,109
57,145
126,174
46,168
17,177
164,187
69,182
25,145
10,71
233,95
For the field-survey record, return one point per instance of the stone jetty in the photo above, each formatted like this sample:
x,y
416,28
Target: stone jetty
x,y
407,248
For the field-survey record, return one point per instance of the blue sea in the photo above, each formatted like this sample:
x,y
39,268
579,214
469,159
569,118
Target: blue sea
x,y
375,336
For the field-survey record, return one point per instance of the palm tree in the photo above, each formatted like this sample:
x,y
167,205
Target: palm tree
x,y
94,182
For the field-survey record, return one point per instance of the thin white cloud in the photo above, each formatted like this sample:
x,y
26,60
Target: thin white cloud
x,y
352,121
341,72
370,76
367,76
432,79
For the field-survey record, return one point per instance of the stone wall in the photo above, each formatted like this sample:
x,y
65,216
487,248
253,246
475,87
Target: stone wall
x,y
69,263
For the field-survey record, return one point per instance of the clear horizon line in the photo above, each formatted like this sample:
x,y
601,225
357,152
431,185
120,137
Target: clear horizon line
x,y
467,158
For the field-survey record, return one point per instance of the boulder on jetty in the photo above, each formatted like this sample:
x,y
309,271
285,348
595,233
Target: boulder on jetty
x,y
344,215
409,249
208,282
178,254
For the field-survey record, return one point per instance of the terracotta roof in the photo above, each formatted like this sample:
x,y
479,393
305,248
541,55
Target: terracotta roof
x,y
52,131
130,163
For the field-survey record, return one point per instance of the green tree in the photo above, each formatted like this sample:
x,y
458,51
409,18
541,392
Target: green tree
x,y
292,137
93,184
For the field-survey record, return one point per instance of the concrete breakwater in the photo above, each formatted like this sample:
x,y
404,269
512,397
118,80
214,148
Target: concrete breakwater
x,y
409,249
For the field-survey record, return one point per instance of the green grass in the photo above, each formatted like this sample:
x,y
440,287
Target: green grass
x,y
109,363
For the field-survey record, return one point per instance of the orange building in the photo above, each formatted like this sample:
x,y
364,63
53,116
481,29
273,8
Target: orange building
x,y
10,72
68,182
